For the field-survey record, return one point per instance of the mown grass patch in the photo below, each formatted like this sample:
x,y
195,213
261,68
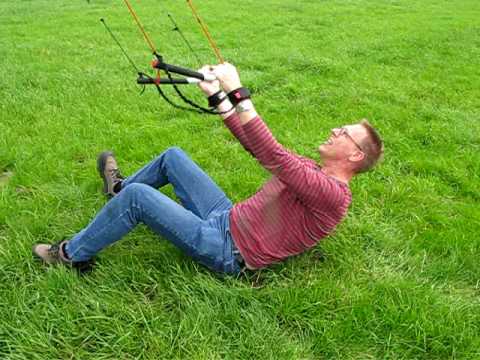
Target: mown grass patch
x,y
399,279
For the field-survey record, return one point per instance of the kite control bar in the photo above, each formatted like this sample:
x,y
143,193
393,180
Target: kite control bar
x,y
143,80
192,77
159,64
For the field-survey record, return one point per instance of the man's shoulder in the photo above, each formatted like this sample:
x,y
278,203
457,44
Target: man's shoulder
x,y
336,194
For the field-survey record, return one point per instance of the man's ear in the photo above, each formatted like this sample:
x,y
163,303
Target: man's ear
x,y
357,156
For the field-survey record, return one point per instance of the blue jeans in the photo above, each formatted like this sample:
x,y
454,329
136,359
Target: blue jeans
x,y
199,227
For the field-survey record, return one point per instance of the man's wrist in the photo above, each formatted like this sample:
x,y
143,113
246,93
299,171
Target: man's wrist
x,y
238,95
246,111
244,106
230,87
211,92
217,98
226,108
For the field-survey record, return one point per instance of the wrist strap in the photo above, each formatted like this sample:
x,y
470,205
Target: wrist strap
x,y
216,99
238,95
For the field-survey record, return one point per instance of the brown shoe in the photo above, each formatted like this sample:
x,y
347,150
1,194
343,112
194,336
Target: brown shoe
x,y
108,169
55,254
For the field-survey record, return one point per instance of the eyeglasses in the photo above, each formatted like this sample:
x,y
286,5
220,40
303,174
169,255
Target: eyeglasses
x,y
344,131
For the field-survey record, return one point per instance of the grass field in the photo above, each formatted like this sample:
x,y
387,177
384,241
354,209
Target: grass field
x,y
400,278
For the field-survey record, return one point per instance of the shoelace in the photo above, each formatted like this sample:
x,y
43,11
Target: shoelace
x,y
115,173
54,250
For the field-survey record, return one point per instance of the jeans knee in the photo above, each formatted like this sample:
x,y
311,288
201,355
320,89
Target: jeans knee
x,y
135,190
175,152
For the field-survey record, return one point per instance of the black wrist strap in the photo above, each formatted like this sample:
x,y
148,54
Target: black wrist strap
x,y
238,95
216,99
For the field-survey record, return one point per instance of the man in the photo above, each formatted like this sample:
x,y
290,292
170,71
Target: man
x,y
301,204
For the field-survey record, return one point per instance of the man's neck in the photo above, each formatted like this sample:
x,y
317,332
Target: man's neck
x,y
340,174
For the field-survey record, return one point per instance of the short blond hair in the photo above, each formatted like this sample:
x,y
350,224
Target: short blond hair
x,y
372,147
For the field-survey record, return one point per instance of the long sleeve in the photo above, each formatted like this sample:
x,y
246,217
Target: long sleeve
x,y
234,125
306,181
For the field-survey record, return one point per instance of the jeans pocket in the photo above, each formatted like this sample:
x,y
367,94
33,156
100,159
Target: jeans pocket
x,y
209,248
230,264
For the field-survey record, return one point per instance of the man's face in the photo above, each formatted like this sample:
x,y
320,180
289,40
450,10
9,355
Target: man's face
x,y
343,142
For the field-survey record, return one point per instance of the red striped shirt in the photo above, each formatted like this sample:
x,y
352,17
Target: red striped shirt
x,y
296,208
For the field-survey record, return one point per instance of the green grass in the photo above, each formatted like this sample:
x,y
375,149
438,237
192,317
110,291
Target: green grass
x,y
401,275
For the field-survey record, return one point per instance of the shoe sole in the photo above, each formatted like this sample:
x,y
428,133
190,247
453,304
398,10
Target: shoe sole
x,y
101,163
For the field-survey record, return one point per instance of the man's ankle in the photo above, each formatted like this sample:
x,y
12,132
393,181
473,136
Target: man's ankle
x,y
64,252
117,187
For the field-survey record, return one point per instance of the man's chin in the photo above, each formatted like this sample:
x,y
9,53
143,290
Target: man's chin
x,y
325,152
322,150
321,156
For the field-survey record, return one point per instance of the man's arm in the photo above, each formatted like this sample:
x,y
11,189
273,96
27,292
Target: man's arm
x,y
225,108
310,184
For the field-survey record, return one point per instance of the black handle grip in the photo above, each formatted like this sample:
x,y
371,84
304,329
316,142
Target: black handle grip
x,y
142,80
177,70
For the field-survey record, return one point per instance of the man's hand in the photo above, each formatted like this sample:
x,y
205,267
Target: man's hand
x,y
208,87
228,76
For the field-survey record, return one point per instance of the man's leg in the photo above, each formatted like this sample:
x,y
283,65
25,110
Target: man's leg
x,y
195,189
203,240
